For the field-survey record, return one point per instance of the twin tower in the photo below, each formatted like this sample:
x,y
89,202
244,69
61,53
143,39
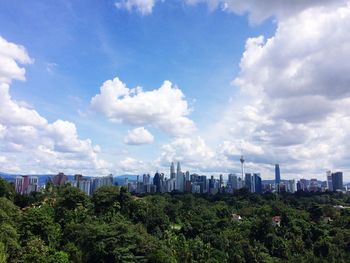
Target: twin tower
x,y
178,176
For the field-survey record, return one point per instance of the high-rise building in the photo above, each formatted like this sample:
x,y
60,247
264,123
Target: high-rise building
x,y
85,186
337,181
146,179
291,186
233,182
249,183
187,176
98,182
202,181
157,182
77,179
179,178
257,184
221,182
170,185
313,187
329,181
277,174
303,185
59,179
172,170
26,184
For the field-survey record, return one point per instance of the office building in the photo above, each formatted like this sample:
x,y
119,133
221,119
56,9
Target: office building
x,y
291,186
146,179
257,183
329,181
157,182
179,178
172,171
26,184
337,181
249,182
59,179
85,186
277,174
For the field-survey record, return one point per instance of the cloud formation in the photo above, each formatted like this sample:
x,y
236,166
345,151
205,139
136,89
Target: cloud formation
x,y
144,7
29,143
164,108
298,91
139,136
258,10
10,54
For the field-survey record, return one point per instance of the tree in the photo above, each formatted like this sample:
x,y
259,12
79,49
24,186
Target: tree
x,y
72,205
105,200
39,222
3,254
6,189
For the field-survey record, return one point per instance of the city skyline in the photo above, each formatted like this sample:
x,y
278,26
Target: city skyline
x,y
185,182
128,87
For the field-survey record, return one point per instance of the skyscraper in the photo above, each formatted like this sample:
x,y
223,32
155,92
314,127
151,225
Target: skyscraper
x,y
179,178
277,174
172,170
257,184
59,179
146,179
337,181
249,182
26,184
329,181
157,182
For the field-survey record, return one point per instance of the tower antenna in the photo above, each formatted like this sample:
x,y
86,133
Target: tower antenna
x,y
242,160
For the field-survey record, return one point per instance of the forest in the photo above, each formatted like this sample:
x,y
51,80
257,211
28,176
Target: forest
x,y
63,224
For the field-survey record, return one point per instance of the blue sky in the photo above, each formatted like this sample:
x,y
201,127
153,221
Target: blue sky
x,y
78,45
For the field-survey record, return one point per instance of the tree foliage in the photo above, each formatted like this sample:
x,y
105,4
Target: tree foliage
x,y
65,225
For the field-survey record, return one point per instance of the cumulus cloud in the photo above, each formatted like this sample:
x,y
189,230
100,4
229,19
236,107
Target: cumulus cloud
x,y
139,136
144,7
260,10
164,108
12,113
196,155
28,142
10,54
131,165
257,10
296,89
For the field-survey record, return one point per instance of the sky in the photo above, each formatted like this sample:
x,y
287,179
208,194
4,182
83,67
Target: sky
x,y
128,86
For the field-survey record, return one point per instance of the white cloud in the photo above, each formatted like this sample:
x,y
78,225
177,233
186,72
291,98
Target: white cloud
x,y
164,108
27,141
144,7
133,166
139,136
10,54
296,93
12,113
196,155
259,10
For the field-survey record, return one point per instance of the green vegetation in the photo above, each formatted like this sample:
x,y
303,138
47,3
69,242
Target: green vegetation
x,y
64,225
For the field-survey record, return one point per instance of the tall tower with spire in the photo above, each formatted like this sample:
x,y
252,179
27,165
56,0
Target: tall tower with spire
x,y
242,166
172,170
179,178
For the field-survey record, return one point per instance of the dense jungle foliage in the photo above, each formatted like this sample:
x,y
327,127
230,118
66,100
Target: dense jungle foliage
x,y
65,225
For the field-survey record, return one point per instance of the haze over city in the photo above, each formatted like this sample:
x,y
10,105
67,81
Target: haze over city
x,y
127,87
